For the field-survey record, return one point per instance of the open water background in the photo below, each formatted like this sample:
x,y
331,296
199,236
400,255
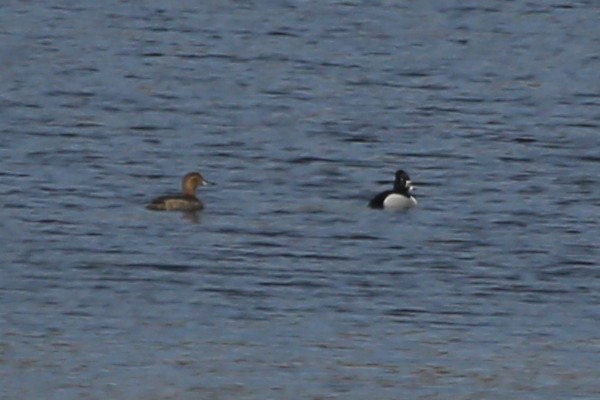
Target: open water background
x,y
287,286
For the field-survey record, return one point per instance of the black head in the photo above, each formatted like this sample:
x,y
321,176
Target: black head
x,y
402,182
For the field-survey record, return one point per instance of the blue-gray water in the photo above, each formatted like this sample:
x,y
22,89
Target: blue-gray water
x,y
287,286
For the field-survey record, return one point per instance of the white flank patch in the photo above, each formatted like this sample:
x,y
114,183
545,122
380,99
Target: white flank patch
x,y
396,202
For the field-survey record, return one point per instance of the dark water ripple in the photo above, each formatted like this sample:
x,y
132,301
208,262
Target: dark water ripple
x,y
286,283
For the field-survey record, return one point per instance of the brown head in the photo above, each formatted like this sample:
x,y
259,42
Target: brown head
x,y
191,181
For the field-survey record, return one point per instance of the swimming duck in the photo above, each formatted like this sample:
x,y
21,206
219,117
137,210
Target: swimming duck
x,y
397,199
187,201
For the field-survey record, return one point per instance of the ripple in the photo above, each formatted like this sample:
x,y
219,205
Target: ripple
x,y
298,110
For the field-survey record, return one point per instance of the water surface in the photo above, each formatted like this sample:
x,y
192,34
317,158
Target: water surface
x,y
287,286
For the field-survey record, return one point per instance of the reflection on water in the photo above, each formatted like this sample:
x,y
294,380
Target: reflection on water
x,y
287,283
192,217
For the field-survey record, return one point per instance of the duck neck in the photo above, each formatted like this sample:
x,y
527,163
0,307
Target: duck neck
x,y
400,187
189,189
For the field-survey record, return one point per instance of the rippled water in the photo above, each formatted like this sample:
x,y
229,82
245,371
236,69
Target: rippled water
x,y
287,286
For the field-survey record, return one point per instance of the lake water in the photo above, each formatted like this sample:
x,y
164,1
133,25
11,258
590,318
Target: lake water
x,y
287,286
